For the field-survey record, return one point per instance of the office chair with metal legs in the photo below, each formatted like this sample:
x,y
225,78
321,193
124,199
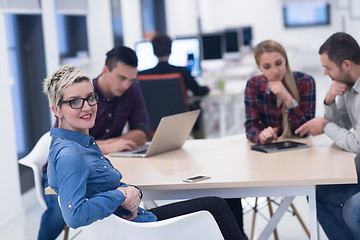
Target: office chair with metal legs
x,y
271,213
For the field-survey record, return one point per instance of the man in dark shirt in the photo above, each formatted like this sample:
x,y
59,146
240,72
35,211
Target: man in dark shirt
x,y
120,102
162,50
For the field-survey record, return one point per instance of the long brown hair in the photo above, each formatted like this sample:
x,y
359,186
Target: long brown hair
x,y
273,46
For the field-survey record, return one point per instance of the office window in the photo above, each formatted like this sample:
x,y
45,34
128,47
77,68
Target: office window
x,y
28,69
153,17
117,22
72,38
17,89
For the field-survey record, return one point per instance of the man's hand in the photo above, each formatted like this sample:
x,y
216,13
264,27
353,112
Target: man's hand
x,y
336,89
312,127
117,145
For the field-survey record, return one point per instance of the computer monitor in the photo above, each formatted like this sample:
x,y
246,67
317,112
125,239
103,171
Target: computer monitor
x,y
232,40
185,52
246,36
212,46
146,58
306,13
232,44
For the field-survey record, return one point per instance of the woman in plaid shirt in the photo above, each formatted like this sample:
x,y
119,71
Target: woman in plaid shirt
x,y
278,101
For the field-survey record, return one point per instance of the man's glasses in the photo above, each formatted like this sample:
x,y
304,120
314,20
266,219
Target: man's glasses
x,y
78,103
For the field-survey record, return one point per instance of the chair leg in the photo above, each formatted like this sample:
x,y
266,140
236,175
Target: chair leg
x,y
300,220
276,236
66,232
253,219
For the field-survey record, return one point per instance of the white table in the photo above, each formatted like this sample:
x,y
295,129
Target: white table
x,y
237,171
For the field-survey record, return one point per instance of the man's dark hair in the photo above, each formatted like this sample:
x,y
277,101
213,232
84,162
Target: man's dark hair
x,y
161,45
121,54
341,46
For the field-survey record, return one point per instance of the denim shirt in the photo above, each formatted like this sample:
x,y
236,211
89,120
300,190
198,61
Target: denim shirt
x,y
84,179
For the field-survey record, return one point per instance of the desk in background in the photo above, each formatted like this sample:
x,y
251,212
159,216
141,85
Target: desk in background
x,y
236,171
224,109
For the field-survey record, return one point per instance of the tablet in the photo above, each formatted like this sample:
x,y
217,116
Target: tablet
x,y
278,146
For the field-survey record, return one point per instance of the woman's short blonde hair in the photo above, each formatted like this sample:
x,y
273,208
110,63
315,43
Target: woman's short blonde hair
x,y
54,85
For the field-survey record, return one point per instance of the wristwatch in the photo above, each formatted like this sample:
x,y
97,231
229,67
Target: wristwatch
x,y
293,104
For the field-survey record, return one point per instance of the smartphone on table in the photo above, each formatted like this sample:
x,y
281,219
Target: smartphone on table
x,y
196,178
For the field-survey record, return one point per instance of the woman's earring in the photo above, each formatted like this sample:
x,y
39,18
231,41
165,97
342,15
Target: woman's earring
x,y
59,122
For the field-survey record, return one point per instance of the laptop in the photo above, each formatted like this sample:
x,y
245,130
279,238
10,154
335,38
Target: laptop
x,y
170,134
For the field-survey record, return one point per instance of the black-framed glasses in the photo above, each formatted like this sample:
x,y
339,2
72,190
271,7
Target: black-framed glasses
x,y
78,103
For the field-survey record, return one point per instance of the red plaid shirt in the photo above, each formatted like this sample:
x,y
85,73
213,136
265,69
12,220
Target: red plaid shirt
x,y
261,109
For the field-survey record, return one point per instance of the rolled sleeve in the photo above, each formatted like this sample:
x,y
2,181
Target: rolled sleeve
x,y
78,210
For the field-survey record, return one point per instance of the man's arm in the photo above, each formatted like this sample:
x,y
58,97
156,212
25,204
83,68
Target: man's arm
x,y
127,141
345,139
340,128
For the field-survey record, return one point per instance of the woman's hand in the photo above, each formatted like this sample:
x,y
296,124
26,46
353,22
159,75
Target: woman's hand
x,y
131,202
268,135
278,88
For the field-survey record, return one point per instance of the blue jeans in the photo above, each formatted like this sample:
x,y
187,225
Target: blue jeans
x,y
333,209
52,222
351,213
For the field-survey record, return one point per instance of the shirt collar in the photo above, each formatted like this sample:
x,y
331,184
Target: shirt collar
x,y
83,139
356,86
97,89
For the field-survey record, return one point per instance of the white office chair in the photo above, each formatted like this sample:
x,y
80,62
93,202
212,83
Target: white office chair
x,y
196,226
36,159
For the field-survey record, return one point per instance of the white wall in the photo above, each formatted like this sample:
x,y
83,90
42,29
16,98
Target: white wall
x,y
52,57
265,16
131,17
181,17
10,204
100,36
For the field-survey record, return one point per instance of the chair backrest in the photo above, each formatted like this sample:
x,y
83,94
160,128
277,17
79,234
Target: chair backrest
x,y
195,226
164,95
36,160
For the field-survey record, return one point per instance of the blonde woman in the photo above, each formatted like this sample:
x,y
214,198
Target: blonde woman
x,y
278,101
89,187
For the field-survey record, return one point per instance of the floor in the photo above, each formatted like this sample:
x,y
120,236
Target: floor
x,y
25,227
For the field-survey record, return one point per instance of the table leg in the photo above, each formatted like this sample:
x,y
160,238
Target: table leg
x,y
222,106
284,205
313,218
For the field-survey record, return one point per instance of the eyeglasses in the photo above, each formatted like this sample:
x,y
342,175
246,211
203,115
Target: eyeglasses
x,y
78,103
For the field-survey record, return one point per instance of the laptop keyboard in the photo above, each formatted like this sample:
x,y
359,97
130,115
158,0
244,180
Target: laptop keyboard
x,y
141,152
